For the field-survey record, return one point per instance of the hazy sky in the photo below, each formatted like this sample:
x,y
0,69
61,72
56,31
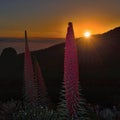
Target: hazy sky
x,y
49,18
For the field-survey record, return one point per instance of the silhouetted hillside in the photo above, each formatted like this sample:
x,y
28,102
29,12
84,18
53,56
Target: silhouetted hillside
x,y
99,63
10,75
8,52
113,33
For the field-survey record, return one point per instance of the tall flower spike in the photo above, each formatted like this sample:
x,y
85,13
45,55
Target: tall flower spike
x,y
71,72
39,77
30,90
40,85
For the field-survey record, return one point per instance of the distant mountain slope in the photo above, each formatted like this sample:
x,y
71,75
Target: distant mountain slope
x,y
99,63
113,32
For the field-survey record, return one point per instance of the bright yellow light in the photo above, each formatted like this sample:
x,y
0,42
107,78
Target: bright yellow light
x,y
87,34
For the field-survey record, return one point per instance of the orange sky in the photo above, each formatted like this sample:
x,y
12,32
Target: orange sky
x,y
50,18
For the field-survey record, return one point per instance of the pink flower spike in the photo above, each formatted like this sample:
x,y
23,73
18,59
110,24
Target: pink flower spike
x,y
71,72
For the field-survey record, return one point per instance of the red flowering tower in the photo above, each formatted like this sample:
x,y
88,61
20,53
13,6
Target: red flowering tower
x,y
40,85
71,72
30,90
39,78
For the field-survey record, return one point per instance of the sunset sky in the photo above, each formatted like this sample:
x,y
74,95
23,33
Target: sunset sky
x,y
49,18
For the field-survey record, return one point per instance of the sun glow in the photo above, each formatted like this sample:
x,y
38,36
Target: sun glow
x,y
87,34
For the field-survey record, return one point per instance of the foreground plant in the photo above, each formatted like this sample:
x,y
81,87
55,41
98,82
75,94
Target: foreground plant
x,y
34,112
30,89
71,103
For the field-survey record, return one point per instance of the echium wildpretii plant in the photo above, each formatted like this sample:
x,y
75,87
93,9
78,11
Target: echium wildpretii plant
x,y
71,101
34,107
35,89
30,89
40,85
71,73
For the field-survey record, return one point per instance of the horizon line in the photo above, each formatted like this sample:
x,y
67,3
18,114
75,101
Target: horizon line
x,y
32,37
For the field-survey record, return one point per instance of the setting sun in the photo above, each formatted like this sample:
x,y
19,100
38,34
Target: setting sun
x,y
87,34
